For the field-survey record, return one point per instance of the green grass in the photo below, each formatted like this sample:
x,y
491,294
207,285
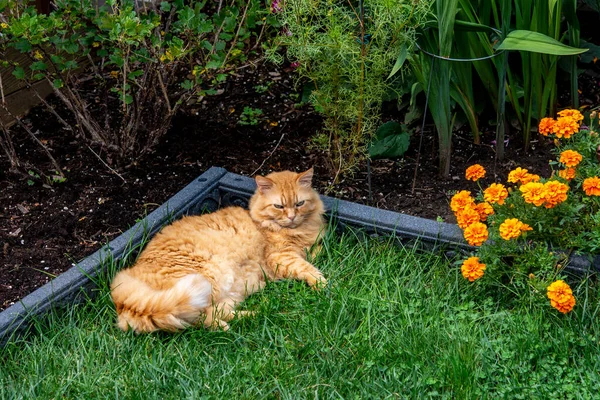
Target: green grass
x,y
394,323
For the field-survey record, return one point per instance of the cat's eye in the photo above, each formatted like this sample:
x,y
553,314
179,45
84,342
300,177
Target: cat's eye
x,y
300,203
278,206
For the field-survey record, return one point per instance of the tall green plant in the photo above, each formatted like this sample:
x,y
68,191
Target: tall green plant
x,y
347,55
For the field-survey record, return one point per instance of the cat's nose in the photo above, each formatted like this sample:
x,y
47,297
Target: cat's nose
x,y
291,217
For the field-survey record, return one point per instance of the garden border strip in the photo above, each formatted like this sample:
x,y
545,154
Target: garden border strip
x,y
217,187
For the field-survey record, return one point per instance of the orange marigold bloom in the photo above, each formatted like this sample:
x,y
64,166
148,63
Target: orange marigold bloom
x,y
530,178
484,210
495,193
512,228
565,127
475,234
555,192
518,175
570,158
561,296
467,216
571,113
475,172
533,193
567,174
546,125
592,186
461,200
472,269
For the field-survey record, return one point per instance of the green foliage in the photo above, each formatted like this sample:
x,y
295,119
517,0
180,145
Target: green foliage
x,y
141,62
250,116
347,58
390,141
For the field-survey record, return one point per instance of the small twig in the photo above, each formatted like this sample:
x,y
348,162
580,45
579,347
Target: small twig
x,y
237,34
164,90
106,165
270,154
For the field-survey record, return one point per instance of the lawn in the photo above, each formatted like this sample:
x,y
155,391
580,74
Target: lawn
x,y
394,322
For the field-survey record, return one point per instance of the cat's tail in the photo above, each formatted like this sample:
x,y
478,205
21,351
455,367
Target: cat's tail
x,y
145,309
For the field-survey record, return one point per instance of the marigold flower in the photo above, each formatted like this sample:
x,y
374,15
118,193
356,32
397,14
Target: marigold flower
x,y
512,228
475,234
567,174
546,125
533,193
591,186
570,158
571,113
530,178
495,193
461,200
561,296
555,192
472,269
475,172
38,55
467,216
565,127
517,175
484,210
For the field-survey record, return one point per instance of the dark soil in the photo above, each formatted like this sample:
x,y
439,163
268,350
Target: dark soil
x,y
46,228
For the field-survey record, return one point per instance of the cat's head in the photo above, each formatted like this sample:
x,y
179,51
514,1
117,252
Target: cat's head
x,y
285,198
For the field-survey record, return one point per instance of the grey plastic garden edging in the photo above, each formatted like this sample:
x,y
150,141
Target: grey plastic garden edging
x,y
213,189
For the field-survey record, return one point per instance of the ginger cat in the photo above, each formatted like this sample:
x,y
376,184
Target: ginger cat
x,y
197,269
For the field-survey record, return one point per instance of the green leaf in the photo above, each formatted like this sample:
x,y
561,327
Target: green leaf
x,y
187,84
19,73
399,61
165,6
38,66
128,99
535,42
58,83
391,141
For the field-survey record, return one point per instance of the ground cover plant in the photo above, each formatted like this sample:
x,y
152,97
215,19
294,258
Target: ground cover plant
x,y
528,226
395,321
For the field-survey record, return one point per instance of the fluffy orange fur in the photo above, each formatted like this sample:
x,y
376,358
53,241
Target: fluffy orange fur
x,y
197,269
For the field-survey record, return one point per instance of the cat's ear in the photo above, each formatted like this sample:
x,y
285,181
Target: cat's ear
x,y
305,178
263,184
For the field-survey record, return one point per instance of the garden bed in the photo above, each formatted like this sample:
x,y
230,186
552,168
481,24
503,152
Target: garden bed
x,y
213,189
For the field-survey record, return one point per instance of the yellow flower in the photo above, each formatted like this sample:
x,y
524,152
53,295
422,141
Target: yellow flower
x,y
495,193
565,127
484,210
4,25
555,192
531,178
512,228
472,269
38,55
570,158
571,113
461,200
567,174
517,175
96,44
467,216
561,296
475,234
114,74
475,172
533,193
546,125
591,186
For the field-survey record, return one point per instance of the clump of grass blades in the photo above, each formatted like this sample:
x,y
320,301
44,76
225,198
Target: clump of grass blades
x,y
394,321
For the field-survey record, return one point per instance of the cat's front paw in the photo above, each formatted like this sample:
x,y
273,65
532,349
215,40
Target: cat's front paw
x,y
316,280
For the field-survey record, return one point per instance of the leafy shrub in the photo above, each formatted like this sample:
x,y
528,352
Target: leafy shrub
x,y
123,70
526,229
347,53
